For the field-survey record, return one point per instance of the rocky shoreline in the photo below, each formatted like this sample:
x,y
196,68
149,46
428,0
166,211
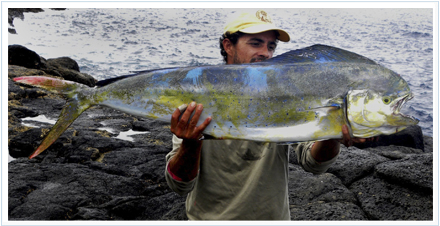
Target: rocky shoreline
x,y
90,174
19,13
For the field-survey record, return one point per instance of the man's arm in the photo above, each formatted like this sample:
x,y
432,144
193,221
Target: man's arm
x,y
317,157
185,163
326,150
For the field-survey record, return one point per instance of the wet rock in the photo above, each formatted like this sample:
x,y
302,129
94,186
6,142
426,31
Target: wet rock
x,y
43,103
65,62
70,186
411,171
87,213
86,142
145,124
121,124
394,152
15,91
177,212
320,197
22,56
63,67
20,110
18,71
18,13
305,187
334,211
382,200
354,163
68,69
428,143
25,143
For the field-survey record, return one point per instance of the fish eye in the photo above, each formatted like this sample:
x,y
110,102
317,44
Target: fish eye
x,y
386,100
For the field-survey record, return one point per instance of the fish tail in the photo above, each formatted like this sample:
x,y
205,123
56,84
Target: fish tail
x,y
77,102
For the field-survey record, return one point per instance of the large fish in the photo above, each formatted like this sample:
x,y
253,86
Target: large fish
x,y
301,95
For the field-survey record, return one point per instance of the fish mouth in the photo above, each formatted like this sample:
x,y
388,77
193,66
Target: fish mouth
x,y
397,106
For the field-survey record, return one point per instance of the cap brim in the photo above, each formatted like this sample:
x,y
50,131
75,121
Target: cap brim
x,y
284,36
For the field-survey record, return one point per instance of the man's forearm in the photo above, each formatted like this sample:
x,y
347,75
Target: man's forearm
x,y
325,150
185,164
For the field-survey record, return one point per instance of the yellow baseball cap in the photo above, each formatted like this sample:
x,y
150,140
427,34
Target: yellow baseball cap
x,y
258,22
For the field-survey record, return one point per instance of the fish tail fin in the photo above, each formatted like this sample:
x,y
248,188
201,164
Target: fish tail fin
x,y
70,112
76,104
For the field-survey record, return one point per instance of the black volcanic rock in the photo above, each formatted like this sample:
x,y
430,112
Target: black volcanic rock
x,y
63,67
18,13
22,56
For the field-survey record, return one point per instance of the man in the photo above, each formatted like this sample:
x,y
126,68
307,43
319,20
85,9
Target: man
x,y
236,179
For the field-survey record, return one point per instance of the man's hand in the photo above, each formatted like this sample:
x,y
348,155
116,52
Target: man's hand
x,y
187,128
348,141
185,164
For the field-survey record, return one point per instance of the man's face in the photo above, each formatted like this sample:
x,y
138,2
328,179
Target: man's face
x,y
253,48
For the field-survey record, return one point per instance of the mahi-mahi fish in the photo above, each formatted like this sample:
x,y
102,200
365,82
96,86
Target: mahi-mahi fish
x,y
301,95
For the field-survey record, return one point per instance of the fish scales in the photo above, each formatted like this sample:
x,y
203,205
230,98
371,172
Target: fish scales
x,y
306,94
257,99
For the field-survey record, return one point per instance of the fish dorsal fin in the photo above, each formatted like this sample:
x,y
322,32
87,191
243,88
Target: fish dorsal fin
x,y
136,73
319,54
112,80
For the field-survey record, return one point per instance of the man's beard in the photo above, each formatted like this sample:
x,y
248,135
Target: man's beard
x,y
235,60
258,59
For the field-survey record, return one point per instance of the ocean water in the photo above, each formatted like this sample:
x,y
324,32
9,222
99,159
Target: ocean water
x,y
112,42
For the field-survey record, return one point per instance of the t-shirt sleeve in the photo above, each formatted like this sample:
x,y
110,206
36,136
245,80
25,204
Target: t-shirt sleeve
x,y
307,162
177,185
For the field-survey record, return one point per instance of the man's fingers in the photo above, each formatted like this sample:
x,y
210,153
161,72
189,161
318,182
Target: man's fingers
x,y
182,108
195,119
348,141
175,117
186,115
346,138
198,131
203,126
345,135
186,127
359,140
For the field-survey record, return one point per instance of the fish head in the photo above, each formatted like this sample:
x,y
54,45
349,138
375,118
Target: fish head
x,y
371,113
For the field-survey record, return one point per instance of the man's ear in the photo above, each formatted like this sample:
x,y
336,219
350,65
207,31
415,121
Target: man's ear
x,y
228,46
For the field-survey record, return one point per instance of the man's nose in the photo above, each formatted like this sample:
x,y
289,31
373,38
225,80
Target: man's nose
x,y
265,52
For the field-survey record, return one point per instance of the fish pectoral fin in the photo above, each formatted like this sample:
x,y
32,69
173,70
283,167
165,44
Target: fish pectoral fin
x,y
332,107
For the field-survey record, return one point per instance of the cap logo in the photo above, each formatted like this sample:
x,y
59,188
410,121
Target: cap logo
x,y
262,15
